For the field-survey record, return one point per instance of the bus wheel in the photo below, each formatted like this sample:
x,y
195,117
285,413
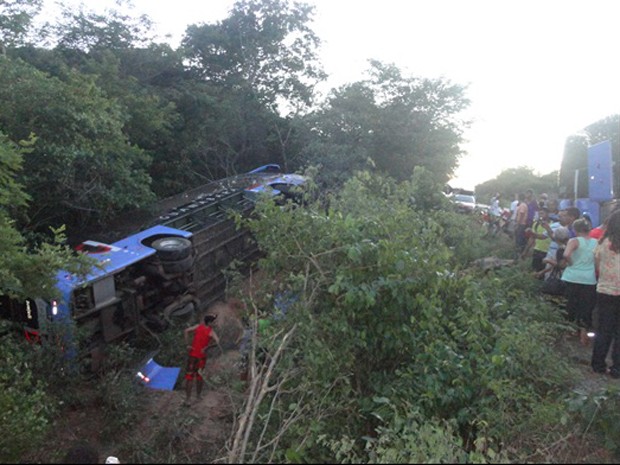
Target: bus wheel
x,y
172,249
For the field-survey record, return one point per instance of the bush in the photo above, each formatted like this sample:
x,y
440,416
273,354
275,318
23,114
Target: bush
x,y
383,312
599,413
26,411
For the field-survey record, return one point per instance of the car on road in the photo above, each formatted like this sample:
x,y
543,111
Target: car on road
x,y
464,203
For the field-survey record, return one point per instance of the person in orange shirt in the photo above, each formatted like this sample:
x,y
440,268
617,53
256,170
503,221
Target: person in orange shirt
x,y
203,333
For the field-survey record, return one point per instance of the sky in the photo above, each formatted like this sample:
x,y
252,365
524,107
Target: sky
x,y
537,71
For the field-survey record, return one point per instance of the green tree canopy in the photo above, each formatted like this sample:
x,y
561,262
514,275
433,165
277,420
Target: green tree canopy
x,y
265,47
16,21
514,181
395,121
82,166
25,272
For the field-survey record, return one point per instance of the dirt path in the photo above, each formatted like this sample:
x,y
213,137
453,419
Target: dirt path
x,y
164,430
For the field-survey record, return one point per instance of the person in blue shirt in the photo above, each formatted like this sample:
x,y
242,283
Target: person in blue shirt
x,y
580,278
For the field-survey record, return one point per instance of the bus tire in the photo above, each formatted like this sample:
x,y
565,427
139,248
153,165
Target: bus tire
x,y
171,249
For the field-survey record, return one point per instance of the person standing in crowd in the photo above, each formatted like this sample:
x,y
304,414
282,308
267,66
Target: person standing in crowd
x,y
543,200
521,225
580,278
513,208
607,261
558,235
571,215
203,333
552,205
541,239
598,232
532,207
554,260
495,214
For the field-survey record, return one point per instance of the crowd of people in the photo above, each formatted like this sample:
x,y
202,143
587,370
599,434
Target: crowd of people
x,y
580,262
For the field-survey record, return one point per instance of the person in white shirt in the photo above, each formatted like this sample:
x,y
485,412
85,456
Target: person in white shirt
x,y
495,213
513,207
495,210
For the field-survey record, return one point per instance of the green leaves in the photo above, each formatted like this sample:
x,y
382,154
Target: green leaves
x,y
383,304
23,272
81,166
265,46
26,412
393,122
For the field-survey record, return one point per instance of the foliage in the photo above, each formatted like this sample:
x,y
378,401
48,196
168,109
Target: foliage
x,y
85,30
81,155
118,389
513,181
383,312
411,438
23,272
598,413
26,412
16,18
265,47
396,121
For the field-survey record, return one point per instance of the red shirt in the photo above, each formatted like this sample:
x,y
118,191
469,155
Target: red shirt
x,y
597,233
202,336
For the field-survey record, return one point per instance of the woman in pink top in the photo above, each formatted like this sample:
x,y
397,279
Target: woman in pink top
x,y
607,260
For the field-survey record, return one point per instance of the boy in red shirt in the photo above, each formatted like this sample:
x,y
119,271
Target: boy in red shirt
x,y
198,354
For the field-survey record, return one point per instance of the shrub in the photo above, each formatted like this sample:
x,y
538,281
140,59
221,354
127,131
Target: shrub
x,y
382,311
26,411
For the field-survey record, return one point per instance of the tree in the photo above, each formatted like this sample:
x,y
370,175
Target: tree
x,y
23,272
514,181
84,30
395,121
15,21
82,168
26,410
264,47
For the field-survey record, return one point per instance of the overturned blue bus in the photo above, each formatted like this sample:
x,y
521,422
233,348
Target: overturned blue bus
x,y
171,267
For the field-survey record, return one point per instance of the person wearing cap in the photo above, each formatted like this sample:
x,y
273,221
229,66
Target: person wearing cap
x,y
203,333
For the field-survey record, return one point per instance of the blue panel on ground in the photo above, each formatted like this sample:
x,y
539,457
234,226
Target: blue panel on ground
x,y
600,173
155,376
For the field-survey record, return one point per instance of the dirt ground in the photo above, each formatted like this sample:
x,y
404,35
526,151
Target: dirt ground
x,y
168,431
